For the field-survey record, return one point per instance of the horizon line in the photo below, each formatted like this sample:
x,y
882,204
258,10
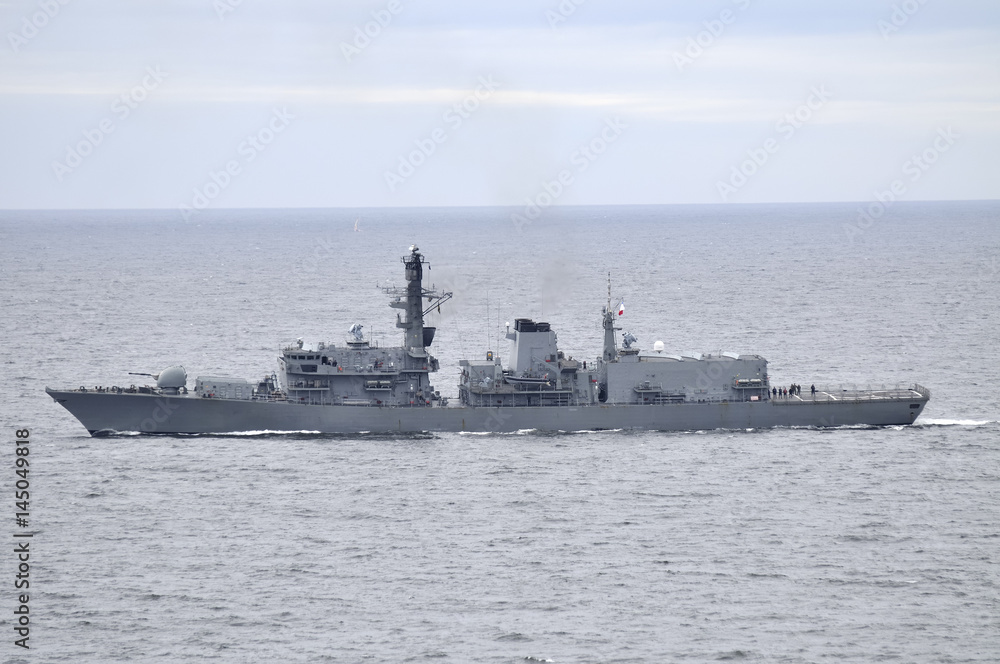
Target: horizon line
x,y
513,206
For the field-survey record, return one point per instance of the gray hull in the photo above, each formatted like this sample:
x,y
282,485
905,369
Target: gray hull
x,y
155,413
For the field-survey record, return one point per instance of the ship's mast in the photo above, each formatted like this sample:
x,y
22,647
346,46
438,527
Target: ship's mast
x,y
610,345
413,305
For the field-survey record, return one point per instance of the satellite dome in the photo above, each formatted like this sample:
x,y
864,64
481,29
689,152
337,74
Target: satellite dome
x,y
172,378
658,346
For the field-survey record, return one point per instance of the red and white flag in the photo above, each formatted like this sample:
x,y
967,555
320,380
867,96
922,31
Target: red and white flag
x,y
621,308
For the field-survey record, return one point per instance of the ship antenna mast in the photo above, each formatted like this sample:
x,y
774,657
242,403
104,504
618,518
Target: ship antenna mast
x,y
610,345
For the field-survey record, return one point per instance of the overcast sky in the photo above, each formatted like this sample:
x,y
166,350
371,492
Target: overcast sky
x,y
124,104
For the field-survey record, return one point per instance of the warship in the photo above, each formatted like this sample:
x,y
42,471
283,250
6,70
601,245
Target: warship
x,y
358,386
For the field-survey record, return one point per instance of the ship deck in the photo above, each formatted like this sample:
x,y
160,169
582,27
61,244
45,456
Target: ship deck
x,y
854,395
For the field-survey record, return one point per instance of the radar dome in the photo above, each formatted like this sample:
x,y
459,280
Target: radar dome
x,y
658,346
172,378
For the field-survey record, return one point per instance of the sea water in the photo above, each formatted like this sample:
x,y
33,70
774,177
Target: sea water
x,y
784,545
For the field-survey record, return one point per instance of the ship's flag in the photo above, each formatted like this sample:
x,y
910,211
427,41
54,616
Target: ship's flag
x,y
621,308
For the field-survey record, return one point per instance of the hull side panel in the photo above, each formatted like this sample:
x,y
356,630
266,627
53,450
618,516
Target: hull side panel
x,y
187,414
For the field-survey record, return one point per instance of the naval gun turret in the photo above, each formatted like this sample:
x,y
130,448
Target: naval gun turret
x,y
169,381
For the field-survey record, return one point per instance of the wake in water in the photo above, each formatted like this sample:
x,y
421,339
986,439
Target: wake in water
x,y
953,423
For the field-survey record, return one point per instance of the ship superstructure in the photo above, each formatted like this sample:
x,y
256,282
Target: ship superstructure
x,y
360,373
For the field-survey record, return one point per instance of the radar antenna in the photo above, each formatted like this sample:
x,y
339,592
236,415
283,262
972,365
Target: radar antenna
x,y
609,291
